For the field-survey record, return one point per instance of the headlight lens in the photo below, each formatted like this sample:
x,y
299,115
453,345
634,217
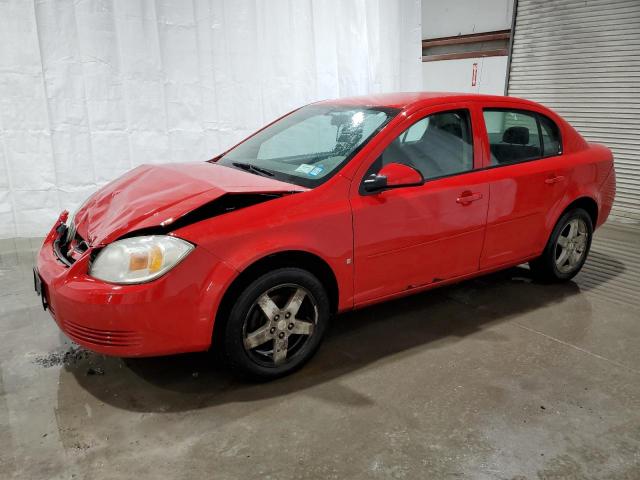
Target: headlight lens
x,y
139,259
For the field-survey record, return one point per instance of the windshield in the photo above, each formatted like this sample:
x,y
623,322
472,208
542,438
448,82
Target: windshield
x,y
309,145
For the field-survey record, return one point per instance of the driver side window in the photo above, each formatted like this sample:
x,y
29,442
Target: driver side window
x,y
437,145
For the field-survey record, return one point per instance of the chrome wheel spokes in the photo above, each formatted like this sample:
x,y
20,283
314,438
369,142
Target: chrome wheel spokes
x,y
571,246
258,337
281,332
267,306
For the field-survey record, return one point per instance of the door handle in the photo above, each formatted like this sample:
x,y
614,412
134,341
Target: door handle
x,y
552,180
467,197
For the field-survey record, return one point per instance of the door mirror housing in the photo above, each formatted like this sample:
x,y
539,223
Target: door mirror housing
x,y
393,175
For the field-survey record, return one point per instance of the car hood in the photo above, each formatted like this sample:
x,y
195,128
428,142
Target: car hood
x,y
158,195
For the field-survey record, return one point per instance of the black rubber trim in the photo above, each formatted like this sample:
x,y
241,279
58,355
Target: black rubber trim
x,y
59,254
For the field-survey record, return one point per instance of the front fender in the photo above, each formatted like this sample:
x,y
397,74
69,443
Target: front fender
x,y
317,222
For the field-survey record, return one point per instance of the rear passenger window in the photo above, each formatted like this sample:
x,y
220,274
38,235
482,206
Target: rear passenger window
x,y
551,144
438,145
517,136
513,136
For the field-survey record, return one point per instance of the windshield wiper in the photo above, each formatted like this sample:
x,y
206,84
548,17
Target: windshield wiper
x,y
253,169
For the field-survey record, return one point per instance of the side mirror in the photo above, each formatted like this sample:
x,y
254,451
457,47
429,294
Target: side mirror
x,y
393,175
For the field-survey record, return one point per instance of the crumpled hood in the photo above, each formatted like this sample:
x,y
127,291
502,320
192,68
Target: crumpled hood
x,y
153,195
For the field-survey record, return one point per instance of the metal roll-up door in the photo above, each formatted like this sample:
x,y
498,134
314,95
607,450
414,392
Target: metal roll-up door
x,y
582,59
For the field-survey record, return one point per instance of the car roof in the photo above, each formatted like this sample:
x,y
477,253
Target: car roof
x,y
403,100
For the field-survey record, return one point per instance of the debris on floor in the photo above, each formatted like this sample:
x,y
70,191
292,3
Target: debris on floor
x,y
68,357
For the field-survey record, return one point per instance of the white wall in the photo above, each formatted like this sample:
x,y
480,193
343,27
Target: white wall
x,y
447,18
90,88
463,17
456,75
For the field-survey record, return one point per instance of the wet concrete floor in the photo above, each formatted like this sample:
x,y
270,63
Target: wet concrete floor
x,y
494,378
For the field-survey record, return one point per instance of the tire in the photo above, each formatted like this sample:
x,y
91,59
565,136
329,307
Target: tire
x,y
561,263
287,308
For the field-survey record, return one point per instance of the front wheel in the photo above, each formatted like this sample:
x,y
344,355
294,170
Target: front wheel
x,y
276,324
567,248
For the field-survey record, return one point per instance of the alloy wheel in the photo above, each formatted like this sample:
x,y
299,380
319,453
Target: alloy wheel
x,y
571,245
279,324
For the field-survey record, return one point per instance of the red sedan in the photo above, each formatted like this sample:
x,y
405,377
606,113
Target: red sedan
x,y
337,205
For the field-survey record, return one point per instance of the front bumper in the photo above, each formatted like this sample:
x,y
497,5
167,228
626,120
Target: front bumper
x,y
172,314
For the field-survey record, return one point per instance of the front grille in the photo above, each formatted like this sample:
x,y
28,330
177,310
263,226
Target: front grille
x,y
108,338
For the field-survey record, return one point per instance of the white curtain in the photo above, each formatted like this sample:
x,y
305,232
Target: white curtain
x,y
90,89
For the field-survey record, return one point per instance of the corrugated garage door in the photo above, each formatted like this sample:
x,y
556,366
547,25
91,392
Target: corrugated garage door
x,y
582,59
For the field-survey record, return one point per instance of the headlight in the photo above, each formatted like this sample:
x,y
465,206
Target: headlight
x,y
139,259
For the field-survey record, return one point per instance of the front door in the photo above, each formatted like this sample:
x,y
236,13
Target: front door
x,y
410,237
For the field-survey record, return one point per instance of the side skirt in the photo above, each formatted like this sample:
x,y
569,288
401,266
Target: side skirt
x,y
442,283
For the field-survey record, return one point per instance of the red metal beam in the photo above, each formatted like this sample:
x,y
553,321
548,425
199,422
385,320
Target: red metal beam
x,y
474,54
472,38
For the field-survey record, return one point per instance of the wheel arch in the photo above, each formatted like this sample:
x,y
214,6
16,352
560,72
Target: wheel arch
x,y
541,267
586,203
289,258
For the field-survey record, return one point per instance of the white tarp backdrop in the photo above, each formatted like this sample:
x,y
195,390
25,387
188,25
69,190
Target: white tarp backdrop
x,y
90,89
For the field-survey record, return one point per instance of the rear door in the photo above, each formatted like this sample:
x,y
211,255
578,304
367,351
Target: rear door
x,y
410,237
527,177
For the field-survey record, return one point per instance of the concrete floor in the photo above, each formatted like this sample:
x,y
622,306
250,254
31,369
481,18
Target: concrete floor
x,y
495,378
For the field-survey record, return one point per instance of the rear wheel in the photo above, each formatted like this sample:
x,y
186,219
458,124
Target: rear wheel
x,y
276,324
567,248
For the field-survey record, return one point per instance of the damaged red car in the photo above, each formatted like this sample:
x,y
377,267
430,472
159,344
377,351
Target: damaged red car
x,y
337,205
